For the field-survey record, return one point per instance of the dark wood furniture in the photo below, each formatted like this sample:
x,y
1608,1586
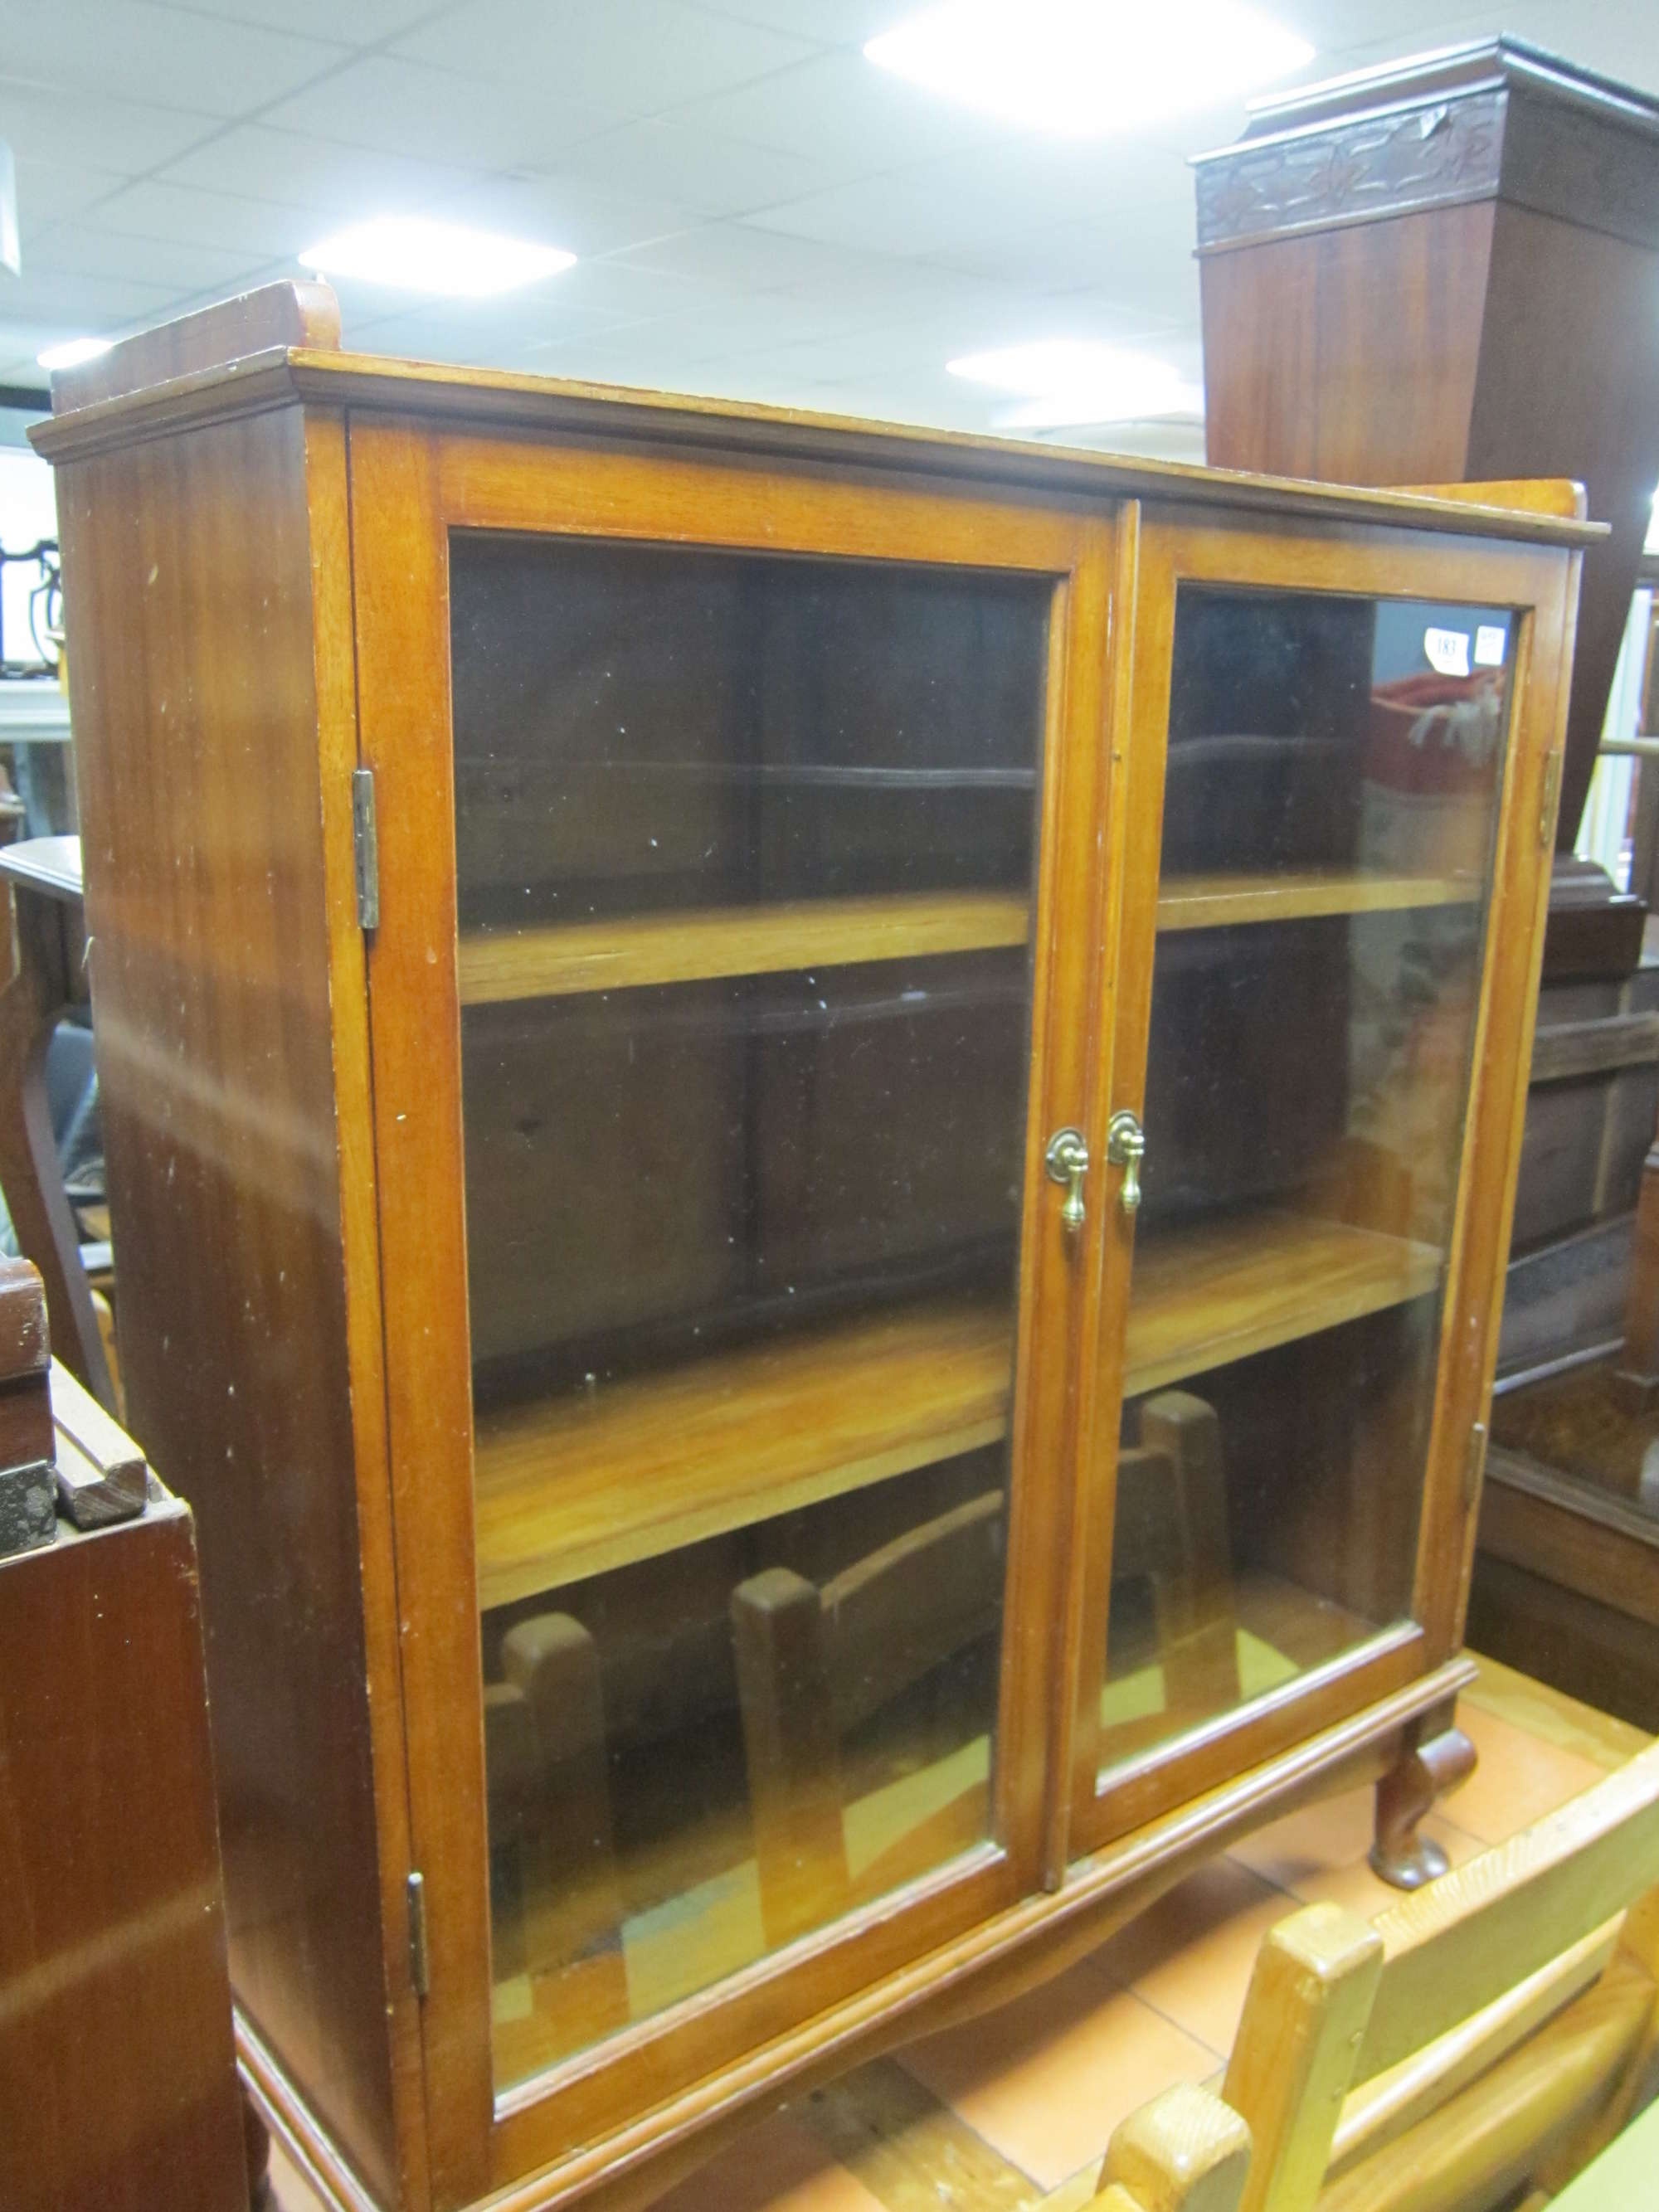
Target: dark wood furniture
x,y
1447,268
698,1008
47,968
117,2079
1450,267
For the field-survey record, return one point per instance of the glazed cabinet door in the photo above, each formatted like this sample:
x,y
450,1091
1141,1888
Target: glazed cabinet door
x,y
1320,1056
727,821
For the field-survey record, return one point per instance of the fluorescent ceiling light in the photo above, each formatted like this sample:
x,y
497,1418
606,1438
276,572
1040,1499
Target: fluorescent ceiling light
x,y
1079,67
1058,381
73,352
415,256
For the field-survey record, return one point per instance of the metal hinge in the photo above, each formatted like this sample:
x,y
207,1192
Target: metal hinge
x,y
366,845
419,1965
1474,1465
1551,793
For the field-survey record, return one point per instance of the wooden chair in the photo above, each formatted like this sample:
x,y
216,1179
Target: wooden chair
x,y
557,1907
1184,2152
1483,2038
814,1661
1170,1535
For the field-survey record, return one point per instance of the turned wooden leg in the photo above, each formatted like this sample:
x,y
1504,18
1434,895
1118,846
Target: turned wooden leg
x,y
256,2149
1426,1770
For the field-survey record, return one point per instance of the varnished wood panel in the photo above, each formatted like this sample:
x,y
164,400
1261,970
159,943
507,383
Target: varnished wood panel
x,y
193,664
1311,341
296,314
117,2084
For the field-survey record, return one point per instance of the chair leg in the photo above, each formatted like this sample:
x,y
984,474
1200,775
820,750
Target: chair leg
x,y
791,1751
573,1910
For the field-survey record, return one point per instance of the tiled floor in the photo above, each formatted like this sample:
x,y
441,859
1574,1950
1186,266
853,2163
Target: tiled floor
x,y
1014,2111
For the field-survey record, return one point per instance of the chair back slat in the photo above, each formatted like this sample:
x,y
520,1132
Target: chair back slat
x,y
1459,1946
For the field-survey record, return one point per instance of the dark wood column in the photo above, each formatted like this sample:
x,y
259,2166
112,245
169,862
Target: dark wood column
x,y
1447,271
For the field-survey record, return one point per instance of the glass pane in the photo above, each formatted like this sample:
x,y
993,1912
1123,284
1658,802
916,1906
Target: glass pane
x,y
746,861
1330,808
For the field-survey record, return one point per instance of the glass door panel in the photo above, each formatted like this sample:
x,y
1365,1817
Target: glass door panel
x,y
746,853
1331,795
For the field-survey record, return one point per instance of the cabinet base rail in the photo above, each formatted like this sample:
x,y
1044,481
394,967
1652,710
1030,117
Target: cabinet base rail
x,y
1015,1952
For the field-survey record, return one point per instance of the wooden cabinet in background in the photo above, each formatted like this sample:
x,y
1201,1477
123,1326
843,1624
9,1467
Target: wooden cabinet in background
x,y
827,1287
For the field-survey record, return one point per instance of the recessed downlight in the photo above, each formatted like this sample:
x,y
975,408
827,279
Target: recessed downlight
x,y
1078,68
1060,382
409,254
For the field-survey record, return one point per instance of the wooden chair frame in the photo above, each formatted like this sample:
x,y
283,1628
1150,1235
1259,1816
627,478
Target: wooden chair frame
x,y
1490,2034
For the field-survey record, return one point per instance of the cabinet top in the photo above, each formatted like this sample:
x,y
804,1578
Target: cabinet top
x,y
280,346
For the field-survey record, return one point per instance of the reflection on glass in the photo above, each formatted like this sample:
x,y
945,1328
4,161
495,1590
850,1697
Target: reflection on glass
x,y
1333,774
746,853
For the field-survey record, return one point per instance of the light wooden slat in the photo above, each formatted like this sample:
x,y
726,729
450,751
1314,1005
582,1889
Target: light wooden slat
x,y
1209,902
593,1480
695,944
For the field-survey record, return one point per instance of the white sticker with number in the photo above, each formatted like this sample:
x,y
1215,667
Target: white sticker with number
x,y
1491,644
1447,651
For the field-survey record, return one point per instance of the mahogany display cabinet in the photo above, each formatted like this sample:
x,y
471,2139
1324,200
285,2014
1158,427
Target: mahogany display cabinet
x,y
810,1131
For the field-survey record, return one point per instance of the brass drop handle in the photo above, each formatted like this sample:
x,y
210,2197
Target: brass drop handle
x,y
1067,1161
1126,1147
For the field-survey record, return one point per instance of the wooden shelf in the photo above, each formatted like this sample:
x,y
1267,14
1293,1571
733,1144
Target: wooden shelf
x,y
1210,901
1204,1296
594,1480
692,944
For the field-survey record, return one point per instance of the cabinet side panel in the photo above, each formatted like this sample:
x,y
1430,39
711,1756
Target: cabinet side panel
x,y
188,576
1348,355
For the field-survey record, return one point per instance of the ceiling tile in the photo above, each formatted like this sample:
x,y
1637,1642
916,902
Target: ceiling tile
x,y
173,212
490,334
134,50
700,170
339,183
68,305
907,214
394,105
86,249
831,22
359,23
585,213
42,122
843,111
627,58
47,191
